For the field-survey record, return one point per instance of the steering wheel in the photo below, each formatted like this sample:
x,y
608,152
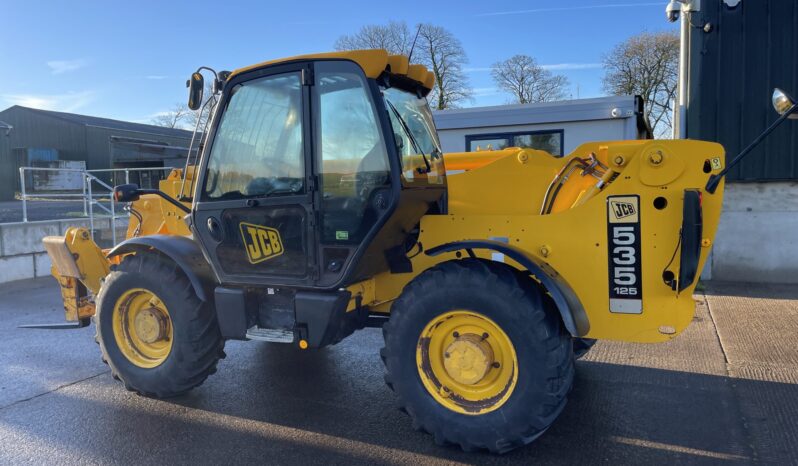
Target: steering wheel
x,y
264,186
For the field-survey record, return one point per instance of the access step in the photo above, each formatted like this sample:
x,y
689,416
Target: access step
x,y
270,334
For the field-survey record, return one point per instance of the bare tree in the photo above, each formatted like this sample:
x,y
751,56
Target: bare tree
x,y
521,76
436,48
395,37
177,117
646,65
443,54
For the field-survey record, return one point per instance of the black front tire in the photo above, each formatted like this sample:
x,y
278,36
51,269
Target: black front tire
x,y
197,343
516,304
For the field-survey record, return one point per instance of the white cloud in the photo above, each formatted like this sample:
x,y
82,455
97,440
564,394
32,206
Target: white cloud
x,y
571,66
484,91
65,66
69,102
552,67
569,8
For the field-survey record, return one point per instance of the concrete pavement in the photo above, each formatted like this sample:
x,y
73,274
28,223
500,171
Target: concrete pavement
x,y
724,391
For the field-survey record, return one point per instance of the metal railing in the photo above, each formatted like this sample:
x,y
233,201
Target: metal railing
x,y
93,191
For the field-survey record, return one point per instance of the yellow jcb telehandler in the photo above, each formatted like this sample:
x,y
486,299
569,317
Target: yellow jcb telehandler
x,y
320,204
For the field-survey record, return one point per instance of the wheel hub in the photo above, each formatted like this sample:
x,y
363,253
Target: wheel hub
x,y
142,328
468,359
150,325
466,362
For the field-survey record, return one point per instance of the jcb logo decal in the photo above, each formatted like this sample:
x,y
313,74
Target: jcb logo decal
x,y
260,242
623,209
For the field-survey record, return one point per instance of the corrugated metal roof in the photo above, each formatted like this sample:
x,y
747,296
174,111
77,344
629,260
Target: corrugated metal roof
x,y
87,120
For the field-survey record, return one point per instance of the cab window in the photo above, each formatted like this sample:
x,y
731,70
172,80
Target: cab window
x,y
258,149
416,137
350,150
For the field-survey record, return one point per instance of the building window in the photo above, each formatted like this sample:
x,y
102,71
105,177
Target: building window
x,y
551,141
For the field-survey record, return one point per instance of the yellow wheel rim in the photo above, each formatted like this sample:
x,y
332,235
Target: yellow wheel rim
x,y
142,328
466,362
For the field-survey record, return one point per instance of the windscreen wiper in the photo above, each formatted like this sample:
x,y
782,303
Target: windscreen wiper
x,y
412,138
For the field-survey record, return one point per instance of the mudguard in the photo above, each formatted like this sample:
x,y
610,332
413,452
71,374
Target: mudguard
x,y
570,308
183,250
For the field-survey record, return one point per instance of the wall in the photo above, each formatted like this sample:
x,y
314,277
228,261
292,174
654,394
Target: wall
x,y
98,145
76,139
22,252
36,130
733,69
750,49
8,173
582,120
757,239
576,133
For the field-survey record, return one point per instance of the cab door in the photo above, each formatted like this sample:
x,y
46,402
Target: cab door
x,y
254,203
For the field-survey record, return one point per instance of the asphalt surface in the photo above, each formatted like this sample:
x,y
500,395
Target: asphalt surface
x,y
724,391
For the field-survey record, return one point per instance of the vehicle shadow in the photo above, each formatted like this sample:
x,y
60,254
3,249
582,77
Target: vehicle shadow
x,y
277,405
616,412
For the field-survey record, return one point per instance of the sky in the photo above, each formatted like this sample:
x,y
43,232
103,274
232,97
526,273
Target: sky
x,y
130,60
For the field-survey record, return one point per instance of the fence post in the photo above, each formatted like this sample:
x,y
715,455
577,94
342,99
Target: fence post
x,y
23,194
91,207
113,219
83,187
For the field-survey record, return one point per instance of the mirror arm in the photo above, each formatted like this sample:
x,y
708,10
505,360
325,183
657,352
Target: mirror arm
x,y
714,180
166,197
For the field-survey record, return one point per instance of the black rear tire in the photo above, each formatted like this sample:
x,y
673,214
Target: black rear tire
x,y
514,302
197,343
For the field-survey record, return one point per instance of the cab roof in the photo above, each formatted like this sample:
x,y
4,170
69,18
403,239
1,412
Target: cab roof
x,y
373,62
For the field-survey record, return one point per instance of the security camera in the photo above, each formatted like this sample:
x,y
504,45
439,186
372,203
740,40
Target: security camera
x,y
673,10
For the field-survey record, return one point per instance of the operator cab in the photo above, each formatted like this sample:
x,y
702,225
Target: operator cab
x,y
316,170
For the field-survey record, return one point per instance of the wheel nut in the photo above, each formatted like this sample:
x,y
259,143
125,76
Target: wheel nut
x,y
456,334
496,365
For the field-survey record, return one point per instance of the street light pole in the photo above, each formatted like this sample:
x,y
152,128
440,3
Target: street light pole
x,y
674,10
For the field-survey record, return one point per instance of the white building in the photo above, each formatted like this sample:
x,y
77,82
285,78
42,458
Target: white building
x,y
557,127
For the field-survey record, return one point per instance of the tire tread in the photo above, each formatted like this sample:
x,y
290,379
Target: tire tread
x,y
537,319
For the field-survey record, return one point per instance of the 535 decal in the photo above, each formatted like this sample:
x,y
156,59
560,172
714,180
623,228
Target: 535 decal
x,y
623,239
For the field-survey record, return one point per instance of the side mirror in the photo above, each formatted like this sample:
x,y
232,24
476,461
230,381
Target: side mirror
x,y
195,85
126,193
782,102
